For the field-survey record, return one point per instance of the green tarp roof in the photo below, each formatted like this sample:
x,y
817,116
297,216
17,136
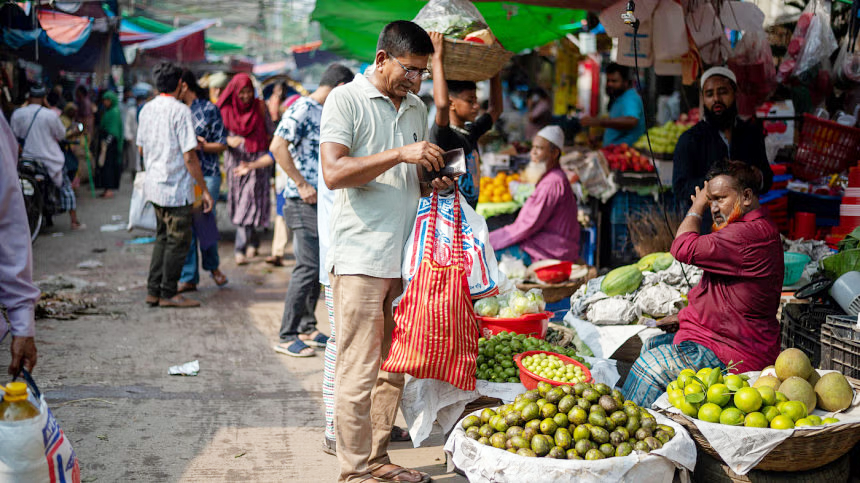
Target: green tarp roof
x,y
351,29
154,26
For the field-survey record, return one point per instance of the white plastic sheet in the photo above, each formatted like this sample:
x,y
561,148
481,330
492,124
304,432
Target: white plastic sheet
x,y
743,448
603,340
487,464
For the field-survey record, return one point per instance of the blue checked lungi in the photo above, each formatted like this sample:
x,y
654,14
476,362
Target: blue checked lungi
x,y
660,363
67,200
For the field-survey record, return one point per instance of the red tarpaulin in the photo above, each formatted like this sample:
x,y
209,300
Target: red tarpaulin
x,y
186,44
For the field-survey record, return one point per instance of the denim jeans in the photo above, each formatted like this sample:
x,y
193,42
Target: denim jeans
x,y
209,257
304,289
246,236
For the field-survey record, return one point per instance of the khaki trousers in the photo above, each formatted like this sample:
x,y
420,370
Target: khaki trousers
x,y
366,398
281,238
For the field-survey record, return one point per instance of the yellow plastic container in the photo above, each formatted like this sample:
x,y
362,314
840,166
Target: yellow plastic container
x,y
15,405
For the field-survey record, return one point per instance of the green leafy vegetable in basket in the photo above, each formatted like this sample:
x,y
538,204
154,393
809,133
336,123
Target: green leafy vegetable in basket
x,y
851,241
837,265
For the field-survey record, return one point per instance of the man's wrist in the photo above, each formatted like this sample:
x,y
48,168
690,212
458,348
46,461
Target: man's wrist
x,y
693,213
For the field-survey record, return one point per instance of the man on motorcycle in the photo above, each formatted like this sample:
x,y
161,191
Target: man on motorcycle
x,y
39,132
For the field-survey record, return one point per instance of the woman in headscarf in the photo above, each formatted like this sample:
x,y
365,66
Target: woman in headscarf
x,y
247,162
111,136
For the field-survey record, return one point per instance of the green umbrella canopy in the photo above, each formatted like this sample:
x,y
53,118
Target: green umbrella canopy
x,y
351,29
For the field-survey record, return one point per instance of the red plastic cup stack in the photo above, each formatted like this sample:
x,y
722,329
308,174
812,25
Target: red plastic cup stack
x,y
849,210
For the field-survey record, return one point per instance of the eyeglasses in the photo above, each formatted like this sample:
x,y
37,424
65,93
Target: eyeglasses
x,y
411,74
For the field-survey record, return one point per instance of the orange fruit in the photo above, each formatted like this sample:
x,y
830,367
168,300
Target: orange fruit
x,y
732,417
747,399
770,412
793,409
719,394
755,420
710,412
782,422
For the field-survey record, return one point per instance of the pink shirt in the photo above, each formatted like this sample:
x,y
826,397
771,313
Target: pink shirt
x,y
546,226
733,309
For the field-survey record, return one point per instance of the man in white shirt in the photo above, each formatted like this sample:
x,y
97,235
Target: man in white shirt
x,y
372,143
39,130
168,146
17,292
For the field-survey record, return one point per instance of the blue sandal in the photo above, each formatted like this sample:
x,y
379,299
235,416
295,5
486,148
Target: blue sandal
x,y
296,349
319,340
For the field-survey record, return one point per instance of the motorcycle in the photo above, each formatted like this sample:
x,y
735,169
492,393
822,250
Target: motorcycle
x,y
41,195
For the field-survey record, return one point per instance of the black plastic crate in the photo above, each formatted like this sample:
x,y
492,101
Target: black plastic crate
x,y
840,345
801,328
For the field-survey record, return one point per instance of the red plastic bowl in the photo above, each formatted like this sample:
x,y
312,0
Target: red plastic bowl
x,y
533,325
530,380
555,273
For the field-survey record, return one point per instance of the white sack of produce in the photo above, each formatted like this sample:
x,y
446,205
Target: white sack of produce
x,y
674,277
618,310
741,447
488,464
658,300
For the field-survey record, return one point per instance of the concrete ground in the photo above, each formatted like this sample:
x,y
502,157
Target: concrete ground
x,y
250,415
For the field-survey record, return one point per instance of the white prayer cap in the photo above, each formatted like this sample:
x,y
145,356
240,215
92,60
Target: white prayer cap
x,y
553,134
721,71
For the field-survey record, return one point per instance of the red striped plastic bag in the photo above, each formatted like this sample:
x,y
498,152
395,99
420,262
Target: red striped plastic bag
x,y
436,336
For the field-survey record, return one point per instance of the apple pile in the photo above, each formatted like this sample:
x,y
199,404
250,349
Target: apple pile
x,y
622,157
663,138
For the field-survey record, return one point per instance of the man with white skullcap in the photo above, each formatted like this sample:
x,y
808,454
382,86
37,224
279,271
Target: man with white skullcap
x,y
718,136
547,225
39,132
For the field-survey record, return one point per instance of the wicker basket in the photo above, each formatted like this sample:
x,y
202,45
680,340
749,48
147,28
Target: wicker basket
x,y
804,450
471,61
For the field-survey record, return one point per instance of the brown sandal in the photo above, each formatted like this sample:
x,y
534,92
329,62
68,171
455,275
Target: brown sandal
x,y
219,278
393,476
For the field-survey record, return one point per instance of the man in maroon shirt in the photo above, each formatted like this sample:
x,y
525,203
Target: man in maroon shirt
x,y
731,317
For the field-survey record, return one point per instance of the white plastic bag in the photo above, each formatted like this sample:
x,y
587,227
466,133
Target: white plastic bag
x,y
670,33
485,278
141,213
812,42
453,18
36,450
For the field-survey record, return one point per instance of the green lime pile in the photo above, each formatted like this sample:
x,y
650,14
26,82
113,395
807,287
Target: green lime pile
x,y
496,355
552,368
711,396
583,421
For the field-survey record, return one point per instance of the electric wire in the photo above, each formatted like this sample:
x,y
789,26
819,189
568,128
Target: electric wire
x,y
660,188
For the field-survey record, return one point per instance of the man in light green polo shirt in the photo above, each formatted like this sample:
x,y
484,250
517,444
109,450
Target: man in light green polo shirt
x,y
372,144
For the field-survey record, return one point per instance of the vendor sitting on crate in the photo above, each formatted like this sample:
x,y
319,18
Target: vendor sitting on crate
x,y
731,316
547,225
720,135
